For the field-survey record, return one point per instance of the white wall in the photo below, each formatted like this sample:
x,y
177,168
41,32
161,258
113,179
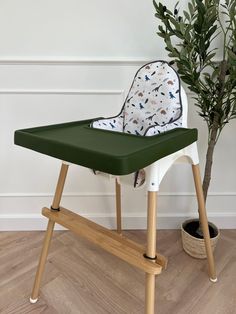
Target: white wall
x,y
70,60
68,29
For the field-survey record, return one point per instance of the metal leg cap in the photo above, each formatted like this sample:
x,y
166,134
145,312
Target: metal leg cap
x,y
213,280
32,301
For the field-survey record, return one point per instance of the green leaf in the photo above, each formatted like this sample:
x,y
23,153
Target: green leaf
x,y
182,27
210,56
155,5
232,57
161,29
201,7
197,28
176,5
187,16
191,9
161,35
227,107
211,31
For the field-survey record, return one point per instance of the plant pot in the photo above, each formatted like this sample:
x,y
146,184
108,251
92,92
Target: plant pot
x,y
192,243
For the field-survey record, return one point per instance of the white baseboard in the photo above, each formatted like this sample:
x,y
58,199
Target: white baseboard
x,y
29,222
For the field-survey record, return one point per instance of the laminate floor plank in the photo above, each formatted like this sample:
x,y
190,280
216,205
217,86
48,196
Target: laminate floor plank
x,y
81,278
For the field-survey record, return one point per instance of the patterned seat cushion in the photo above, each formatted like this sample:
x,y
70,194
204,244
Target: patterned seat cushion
x,y
153,104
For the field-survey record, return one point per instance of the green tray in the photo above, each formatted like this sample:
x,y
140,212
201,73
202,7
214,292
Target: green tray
x,y
107,151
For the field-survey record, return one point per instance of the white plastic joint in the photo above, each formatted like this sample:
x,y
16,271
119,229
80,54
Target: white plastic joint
x,y
152,178
213,280
66,163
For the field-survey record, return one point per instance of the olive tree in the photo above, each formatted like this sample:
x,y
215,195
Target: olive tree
x,y
189,37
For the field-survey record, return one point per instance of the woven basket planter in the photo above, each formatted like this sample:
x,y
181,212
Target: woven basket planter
x,y
195,247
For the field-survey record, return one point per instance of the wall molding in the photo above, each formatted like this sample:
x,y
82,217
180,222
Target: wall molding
x,y
84,61
61,91
79,61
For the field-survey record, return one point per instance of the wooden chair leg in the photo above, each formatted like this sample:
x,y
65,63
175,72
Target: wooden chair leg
x,y
118,208
151,252
204,222
48,235
42,262
60,187
150,294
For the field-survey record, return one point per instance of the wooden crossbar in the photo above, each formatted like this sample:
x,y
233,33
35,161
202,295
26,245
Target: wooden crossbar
x,y
109,240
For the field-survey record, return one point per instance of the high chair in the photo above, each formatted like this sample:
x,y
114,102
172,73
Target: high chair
x,y
150,133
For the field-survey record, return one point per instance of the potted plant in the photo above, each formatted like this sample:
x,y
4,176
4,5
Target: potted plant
x,y
189,36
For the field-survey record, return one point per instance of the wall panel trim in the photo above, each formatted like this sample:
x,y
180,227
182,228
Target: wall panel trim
x,y
61,92
80,61
84,61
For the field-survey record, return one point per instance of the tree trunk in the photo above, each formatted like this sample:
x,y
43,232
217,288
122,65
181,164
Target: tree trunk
x,y
209,159
214,131
208,166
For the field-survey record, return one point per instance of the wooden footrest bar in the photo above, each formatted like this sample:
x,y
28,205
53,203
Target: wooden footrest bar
x,y
109,240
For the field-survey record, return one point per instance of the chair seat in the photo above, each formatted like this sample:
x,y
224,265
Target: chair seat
x,y
111,152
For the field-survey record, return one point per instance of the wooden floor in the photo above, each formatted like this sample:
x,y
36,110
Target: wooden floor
x,y
81,278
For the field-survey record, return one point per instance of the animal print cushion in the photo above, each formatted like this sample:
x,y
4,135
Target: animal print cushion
x,y
153,104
